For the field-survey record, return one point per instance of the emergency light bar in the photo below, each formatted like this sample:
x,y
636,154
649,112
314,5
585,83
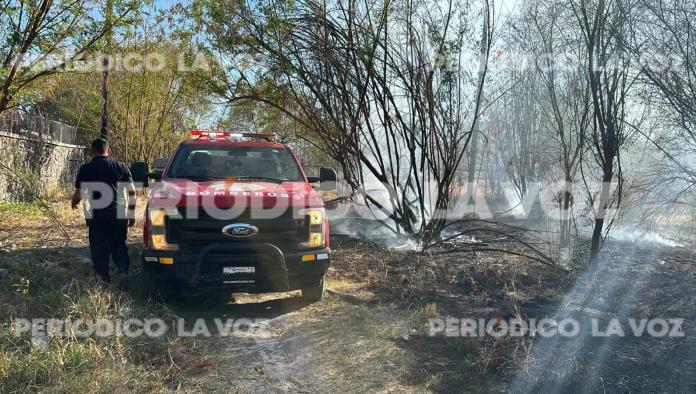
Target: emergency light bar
x,y
226,135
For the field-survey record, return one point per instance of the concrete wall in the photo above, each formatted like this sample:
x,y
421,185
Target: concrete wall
x,y
56,163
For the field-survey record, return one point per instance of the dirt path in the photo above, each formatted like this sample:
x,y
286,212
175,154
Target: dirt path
x,y
344,341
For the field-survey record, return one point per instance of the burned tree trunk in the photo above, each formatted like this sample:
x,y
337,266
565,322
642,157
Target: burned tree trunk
x,y
603,26
600,214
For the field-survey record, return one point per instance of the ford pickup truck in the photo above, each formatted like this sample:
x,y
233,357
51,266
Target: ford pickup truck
x,y
235,211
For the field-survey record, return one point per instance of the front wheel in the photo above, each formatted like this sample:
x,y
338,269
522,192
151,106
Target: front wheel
x,y
157,286
315,293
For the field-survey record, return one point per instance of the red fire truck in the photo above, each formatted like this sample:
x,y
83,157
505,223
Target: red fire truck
x,y
235,210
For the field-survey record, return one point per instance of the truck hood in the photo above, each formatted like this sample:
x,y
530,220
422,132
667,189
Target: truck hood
x,y
228,194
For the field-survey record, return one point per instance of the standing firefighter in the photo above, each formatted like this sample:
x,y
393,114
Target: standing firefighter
x,y
103,181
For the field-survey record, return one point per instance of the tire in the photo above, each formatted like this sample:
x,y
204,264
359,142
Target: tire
x,y
315,293
154,286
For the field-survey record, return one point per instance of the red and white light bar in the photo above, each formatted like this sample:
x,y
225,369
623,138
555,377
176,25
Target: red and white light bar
x,y
229,136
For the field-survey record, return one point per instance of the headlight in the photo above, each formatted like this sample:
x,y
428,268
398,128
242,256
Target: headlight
x,y
159,242
315,216
313,222
158,232
157,217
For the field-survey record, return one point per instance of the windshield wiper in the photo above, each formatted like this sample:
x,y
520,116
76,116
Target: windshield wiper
x,y
260,178
199,178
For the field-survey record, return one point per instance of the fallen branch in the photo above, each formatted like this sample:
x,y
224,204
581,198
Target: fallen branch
x,y
512,252
503,233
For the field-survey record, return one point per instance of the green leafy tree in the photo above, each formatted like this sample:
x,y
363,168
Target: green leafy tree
x,y
158,90
40,37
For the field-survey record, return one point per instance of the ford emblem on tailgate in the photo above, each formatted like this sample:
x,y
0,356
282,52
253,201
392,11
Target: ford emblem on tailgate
x,y
240,230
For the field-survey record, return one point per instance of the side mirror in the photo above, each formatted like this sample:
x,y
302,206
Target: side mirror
x,y
159,165
327,179
139,171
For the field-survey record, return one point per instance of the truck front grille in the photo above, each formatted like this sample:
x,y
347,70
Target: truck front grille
x,y
201,229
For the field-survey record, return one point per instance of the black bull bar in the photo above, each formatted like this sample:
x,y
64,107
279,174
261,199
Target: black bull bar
x,y
267,259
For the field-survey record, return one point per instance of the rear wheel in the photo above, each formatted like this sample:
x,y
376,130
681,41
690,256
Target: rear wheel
x,y
315,293
154,285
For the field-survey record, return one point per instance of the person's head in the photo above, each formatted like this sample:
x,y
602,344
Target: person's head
x,y
100,147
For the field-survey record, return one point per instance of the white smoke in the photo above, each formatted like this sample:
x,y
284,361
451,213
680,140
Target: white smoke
x,y
642,236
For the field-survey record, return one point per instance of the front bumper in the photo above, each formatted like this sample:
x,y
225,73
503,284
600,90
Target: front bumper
x,y
226,265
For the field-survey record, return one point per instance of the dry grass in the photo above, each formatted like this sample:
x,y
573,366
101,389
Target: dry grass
x,y
370,334
640,282
50,276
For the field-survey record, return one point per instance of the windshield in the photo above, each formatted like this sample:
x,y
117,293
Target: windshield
x,y
241,163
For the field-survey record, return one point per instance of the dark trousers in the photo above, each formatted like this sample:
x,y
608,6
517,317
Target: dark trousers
x,y
107,239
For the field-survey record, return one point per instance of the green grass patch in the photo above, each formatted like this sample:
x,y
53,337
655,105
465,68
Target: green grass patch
x,y
22,208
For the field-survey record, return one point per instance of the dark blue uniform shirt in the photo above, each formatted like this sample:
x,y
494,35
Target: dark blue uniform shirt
x,y
108,172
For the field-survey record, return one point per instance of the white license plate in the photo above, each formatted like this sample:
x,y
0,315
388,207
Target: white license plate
x,y
238,270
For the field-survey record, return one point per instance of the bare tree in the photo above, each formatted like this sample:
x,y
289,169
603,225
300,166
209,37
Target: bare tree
x,y
604,25
664,40
381,87
565,96
662,43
